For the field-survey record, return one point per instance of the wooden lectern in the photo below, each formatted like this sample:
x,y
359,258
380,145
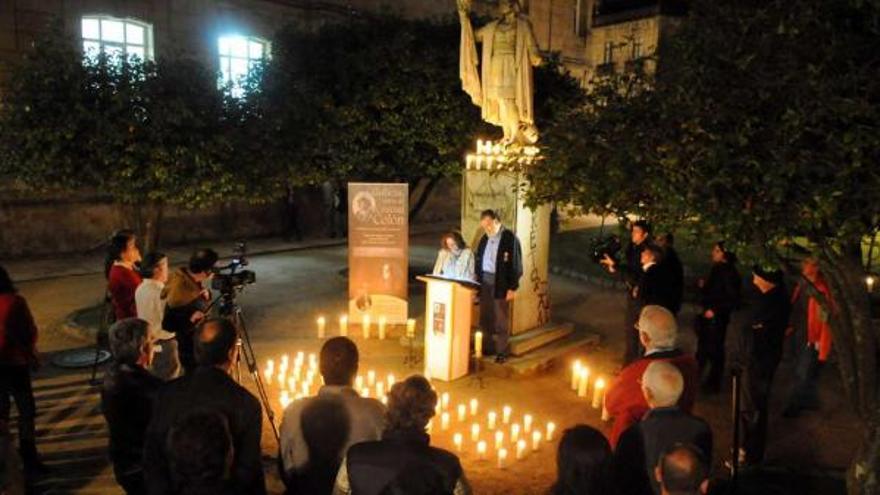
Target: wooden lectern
x,y
448,307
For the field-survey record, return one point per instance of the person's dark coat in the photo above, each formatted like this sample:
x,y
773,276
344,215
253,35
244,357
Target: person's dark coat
x,y
128,398
207,388
404,463
722,291
641,445
671,264
656,287
508,262
759,343
630,271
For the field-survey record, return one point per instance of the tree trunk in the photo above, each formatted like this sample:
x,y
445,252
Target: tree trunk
x,y
423,198
856,344
152,225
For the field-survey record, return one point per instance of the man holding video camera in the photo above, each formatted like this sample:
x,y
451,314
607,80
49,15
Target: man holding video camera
x,y
187,301
631,272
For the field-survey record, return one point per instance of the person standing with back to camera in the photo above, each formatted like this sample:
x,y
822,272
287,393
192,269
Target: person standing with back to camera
x,y
498,267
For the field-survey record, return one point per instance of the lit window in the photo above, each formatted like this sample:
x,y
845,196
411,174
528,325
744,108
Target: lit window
x,y
239,55
104,34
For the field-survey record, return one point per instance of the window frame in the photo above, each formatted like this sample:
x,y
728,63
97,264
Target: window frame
x,y
148,40
225,60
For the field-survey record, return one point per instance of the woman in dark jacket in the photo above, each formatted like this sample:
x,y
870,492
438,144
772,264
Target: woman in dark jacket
x,y
719,296
18,355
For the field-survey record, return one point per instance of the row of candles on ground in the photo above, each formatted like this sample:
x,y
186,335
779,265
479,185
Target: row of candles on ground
x,y
580,383
523,437
299,378
366,327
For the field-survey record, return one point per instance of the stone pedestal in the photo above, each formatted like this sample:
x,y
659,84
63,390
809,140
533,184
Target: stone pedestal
x,y
493,179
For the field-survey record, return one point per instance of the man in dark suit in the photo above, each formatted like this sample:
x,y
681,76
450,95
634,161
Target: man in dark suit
x,y
210,388
674,269
657,285
640,446
498,265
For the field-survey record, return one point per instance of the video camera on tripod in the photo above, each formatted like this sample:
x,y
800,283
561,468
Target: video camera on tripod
x,y
231,278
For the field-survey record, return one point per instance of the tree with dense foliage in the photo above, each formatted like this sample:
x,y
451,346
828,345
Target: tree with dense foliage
x,y
762,126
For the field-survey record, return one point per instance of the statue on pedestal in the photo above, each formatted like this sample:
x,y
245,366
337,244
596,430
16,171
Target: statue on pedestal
x,y
503,88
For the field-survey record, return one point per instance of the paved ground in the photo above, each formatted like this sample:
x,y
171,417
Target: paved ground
x,y
294,287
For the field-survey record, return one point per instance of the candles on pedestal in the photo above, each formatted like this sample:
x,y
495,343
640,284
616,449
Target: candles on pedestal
x,y
322,326
343,325
478,345
598,393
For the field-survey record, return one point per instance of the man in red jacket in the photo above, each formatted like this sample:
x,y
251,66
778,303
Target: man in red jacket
x,y
658,332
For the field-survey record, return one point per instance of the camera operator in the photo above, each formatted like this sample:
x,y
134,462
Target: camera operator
x,y
187,300
631,273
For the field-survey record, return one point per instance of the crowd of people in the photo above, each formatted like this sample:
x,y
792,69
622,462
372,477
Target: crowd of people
x,y
180,424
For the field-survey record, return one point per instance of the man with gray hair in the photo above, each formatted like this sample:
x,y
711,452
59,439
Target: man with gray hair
x,y
682,470
658,332
127,400
665,425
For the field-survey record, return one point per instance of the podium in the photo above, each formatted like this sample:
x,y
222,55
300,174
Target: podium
x,y
448,307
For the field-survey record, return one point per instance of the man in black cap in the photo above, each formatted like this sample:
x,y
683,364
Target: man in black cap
x,y
759,352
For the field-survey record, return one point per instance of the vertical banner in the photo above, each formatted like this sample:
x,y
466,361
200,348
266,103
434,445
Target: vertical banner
x,y
378,251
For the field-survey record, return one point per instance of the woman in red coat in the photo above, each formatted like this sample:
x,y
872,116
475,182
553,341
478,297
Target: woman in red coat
x,y
18,354
122,275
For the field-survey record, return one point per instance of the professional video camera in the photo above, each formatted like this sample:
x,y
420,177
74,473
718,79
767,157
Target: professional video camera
x,y
229,278
601,246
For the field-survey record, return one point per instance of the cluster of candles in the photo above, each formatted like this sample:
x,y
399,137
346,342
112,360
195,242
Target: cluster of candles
x,y
366,327
493,155
580,383
301,380
493,434
500,433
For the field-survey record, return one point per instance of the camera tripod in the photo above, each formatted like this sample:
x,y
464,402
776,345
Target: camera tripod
x,y
229,309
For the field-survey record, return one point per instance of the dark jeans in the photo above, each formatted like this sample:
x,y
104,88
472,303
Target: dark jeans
x,y
757,380
494,318
15,381
634,349
711,335
805,389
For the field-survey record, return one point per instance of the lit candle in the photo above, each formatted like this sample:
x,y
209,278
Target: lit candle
x,y
605,415
384,400
478,345
313,362
481,450
267,373
551,428
391,380
305,389
371,378
499,439
492,416
536,440
474,407
322,325
382,322
359,382
869,282
380,389
444,400
291,383
520,449
527,423
285,360
598,393
584,380
343,325
411,328
462,412
456,439
365,392
365,325
514,432
575,374
284,399
444,421
505,414
282,379
475,432
502,458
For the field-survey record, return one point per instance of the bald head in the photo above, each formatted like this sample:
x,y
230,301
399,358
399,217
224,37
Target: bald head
x,y
662,384
682,471
215,342
657,328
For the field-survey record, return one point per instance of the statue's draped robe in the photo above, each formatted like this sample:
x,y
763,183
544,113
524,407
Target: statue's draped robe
x,y
477,84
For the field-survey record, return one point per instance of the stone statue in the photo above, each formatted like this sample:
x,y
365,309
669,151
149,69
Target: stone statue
x,y
504,88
